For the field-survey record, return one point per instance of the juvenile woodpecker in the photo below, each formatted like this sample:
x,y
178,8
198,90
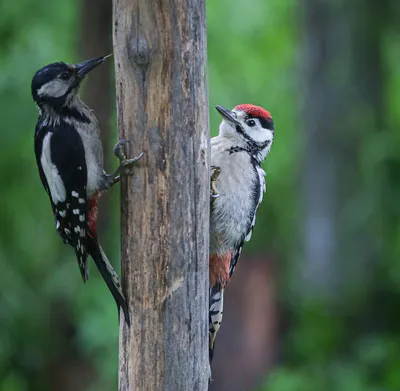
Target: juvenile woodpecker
x,y
69,155
237,185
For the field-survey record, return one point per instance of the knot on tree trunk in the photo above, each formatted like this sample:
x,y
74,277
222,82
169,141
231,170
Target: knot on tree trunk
x,y
140,51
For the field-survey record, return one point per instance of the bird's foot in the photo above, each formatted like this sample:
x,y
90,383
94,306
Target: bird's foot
x,y
125,165
215,173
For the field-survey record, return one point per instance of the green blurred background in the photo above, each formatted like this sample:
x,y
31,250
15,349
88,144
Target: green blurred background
x,y
314,304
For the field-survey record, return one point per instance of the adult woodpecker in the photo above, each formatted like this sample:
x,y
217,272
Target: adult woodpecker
x,y
237,185
69,156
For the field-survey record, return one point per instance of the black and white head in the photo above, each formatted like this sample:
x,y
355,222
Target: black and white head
x,y
57,84
250,127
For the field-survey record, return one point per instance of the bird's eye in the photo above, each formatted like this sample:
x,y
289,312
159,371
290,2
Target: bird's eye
x,y
64,76
251,122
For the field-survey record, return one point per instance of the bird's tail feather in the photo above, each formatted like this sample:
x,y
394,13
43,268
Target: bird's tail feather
x,y
215,316
109,275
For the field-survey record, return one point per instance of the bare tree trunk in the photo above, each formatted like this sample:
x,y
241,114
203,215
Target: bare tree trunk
x,y
160,59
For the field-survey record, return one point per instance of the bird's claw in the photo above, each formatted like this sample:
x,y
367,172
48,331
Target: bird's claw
x,y
215,173
119,150
125,165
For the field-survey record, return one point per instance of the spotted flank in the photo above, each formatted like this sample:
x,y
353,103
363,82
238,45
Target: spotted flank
x,y
77,218
71,224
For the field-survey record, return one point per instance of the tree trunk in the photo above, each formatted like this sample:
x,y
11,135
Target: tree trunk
x,y
160,59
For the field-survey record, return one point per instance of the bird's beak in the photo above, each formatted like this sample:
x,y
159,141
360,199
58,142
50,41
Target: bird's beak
x,y
227,114
83,68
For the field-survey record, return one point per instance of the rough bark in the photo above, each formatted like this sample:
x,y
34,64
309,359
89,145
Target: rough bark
x,y
160,58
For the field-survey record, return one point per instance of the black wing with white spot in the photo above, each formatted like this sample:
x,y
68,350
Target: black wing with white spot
x,y
62,167
258,192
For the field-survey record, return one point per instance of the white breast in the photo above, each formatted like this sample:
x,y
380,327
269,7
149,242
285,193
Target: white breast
x,y
94,162
90,135
235,186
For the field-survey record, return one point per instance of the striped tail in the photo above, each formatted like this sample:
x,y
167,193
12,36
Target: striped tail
x,y
109,275
215,316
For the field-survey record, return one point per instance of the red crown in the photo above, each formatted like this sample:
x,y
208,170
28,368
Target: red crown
x,y
254,111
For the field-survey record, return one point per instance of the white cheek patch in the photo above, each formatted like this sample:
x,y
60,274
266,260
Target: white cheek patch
x,y
54,181
260,135
54,88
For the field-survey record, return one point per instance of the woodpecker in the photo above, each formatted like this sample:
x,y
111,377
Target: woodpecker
x,y
69,155
245,137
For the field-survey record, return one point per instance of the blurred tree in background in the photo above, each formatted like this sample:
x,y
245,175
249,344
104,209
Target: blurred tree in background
x,y
313,305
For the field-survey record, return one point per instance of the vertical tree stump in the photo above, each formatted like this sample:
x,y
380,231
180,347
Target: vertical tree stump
x,y
160,60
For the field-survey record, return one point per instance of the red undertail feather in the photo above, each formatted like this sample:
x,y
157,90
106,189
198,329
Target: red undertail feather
x,y
254,111
219,269
92,215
